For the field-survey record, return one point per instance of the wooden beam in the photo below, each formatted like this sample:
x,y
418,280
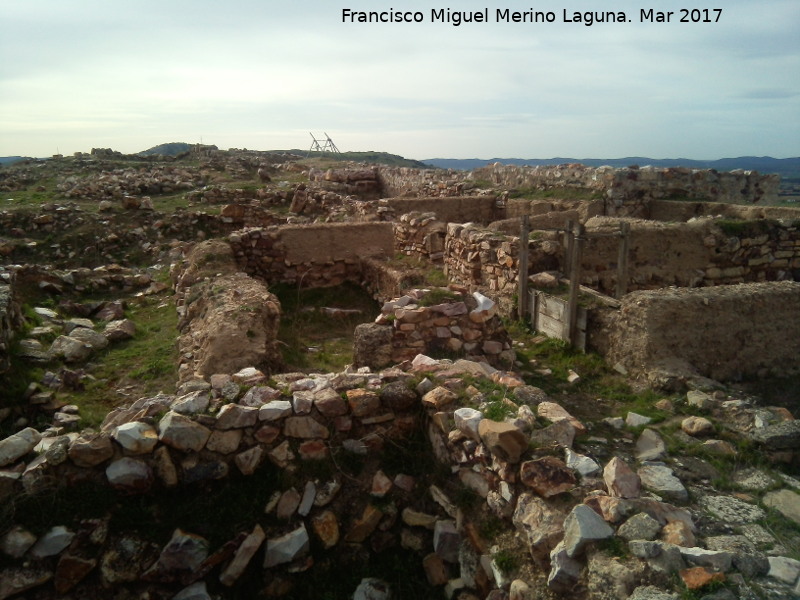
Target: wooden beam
x,y
522,274
574,282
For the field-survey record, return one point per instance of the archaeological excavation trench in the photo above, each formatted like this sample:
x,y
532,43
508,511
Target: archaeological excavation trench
x,y
351,408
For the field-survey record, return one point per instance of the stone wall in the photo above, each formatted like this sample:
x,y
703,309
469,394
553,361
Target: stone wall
x,y
460,209
362,182
724,332
553,213
421,236
703,252
408,182
624,188
665,210
488,261
311,255
220,194
456,325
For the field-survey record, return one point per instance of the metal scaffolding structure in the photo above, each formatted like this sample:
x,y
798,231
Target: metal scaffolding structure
x,y
320,145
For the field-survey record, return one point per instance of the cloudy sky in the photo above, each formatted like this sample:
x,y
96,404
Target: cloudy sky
x,y
261,74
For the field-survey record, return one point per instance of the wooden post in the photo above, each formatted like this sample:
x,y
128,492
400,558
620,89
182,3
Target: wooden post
x,y
522,276
622,258
574,282
570,241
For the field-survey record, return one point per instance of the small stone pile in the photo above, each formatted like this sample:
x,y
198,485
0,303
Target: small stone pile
x,y
413,324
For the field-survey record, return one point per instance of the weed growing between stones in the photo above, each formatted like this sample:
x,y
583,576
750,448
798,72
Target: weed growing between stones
x,y
317,340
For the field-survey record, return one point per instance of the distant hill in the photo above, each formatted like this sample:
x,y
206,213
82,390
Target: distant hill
x,y
8,160
786,167
171,149
372,157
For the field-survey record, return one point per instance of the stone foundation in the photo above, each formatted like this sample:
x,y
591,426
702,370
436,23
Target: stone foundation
x,y
724,332
311,255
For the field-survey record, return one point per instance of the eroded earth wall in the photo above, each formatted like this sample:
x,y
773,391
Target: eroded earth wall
x,y
723,332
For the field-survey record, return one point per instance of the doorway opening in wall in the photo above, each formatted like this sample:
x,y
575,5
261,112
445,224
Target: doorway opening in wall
x,y
317,325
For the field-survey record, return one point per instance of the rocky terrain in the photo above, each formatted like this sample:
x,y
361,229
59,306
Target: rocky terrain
x,y
161,438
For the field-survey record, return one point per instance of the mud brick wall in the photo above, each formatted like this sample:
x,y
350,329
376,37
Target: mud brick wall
x,y
725,332
311,255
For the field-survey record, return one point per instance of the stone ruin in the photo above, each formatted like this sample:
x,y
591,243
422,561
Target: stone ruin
x,y
709,298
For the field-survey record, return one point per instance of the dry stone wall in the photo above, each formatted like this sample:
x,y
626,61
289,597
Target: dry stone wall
x,y
703,252
420,235
456,325
311,255
625,189
670,211
461,209
100,238
407,182
723,332
488,261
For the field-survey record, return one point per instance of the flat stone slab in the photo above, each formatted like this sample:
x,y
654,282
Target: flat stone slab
x,y
785,502
732,510
662,481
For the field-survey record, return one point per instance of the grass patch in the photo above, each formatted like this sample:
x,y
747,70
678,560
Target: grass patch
x,y
314,340
506,561
786,531
140,367
741,229
439,295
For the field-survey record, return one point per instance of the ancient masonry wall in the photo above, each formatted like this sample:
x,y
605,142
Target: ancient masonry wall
x,y
670,211
311,255
455,327
633,184
701,253
404,181
461,209
723,332
228,320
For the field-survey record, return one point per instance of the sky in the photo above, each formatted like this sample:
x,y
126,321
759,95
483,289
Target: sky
x,y
263,75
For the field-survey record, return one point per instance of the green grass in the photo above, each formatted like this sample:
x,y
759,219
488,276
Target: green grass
x,y
506,561
738,228
147,362
313,340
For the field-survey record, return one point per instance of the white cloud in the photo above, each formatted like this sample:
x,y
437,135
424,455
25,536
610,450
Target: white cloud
x,y
258,74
